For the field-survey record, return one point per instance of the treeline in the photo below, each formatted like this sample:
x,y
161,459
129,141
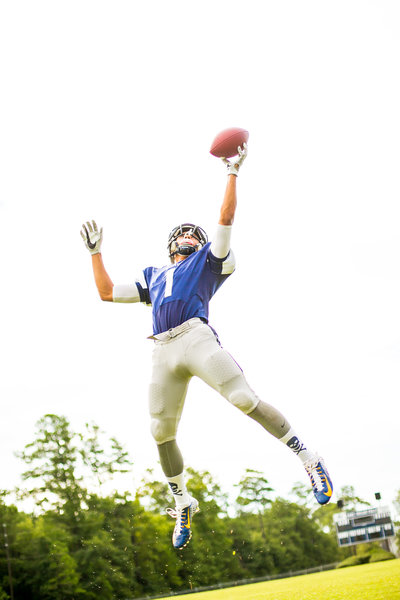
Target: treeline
x,y
83,545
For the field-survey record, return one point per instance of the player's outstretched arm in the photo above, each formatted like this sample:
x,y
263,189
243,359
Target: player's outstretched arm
x,y
229,203
93,239
103,282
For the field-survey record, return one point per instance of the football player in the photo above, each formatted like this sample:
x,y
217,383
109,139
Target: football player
x,y
185,345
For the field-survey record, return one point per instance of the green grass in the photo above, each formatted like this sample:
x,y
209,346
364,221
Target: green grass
x,y
376,581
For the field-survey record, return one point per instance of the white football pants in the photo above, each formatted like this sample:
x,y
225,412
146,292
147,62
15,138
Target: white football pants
x,y
191,349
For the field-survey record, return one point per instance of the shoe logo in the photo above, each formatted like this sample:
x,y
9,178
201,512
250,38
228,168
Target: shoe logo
x,y
175,489
328,485
295,445
329,492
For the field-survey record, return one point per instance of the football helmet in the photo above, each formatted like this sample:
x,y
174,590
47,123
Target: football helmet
x,y
185,249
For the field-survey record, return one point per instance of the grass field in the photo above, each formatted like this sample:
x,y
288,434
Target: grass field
x,y
376,581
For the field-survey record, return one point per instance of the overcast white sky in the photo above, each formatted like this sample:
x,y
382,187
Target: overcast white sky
x,y
107,111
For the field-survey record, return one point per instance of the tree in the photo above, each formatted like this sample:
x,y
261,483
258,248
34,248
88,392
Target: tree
x,y
209,558
47,569
294,538
104,457
254,494
153,494
254,491
59,459
349,498
303,494
53,457
73,554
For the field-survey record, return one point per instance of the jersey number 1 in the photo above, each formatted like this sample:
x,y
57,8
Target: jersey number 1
x,y
169,280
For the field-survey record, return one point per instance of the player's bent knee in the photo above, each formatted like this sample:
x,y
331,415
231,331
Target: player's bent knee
x,y
163,430
244,400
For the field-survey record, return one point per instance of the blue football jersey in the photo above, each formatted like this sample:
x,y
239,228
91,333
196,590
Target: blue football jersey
x,y
183,291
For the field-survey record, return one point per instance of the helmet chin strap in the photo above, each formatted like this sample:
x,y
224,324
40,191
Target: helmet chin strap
x,y
185,249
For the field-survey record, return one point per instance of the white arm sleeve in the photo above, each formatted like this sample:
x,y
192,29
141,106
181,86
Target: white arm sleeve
x,y
221,243
126,293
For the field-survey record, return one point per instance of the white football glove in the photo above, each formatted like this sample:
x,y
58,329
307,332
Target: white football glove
x,y
92,237
233,167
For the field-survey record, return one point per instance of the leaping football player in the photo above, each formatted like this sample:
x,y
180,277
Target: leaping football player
x,y
185,345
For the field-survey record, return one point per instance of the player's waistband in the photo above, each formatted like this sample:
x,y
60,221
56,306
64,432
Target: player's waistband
x,y
174,331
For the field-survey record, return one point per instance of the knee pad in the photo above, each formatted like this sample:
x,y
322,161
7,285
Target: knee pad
x,y
243,397
163,430
164,412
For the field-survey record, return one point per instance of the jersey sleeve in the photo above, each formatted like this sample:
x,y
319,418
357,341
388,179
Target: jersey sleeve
x,y
143,286
133,292
221,257
222,266
126,293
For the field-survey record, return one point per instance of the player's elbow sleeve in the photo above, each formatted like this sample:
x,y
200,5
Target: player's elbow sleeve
x,y
125,293
222,241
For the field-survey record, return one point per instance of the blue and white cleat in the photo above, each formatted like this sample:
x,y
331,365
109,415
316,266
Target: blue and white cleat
x,y
182,531
320,480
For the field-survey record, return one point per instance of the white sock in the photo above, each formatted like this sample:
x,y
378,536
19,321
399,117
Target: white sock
x,y
178,488
292,441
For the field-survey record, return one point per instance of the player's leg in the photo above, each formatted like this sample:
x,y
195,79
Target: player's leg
x,y
216,367
209,361
274,422
167,395
170,458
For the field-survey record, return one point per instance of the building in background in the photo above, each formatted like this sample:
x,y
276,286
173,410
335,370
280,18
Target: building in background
x,y
363,526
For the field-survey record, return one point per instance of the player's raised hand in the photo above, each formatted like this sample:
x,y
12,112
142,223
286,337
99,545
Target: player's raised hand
x,y
92,237
234,164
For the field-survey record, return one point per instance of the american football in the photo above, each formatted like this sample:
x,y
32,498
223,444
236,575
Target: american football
x,y
226,143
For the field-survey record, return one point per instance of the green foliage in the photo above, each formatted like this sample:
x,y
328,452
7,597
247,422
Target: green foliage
x,y
350,500
367,553
58,458
103,457
153,493
302,494
254,491
83,545
209,557
53,460
351,561
293,540
381,555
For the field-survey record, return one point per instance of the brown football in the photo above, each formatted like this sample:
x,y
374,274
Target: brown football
x,y
226,143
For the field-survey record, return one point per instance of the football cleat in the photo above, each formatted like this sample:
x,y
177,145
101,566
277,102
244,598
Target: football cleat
x,y
182,531
320,481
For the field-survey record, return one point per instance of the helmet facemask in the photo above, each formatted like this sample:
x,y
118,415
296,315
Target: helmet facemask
x,y
185,249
